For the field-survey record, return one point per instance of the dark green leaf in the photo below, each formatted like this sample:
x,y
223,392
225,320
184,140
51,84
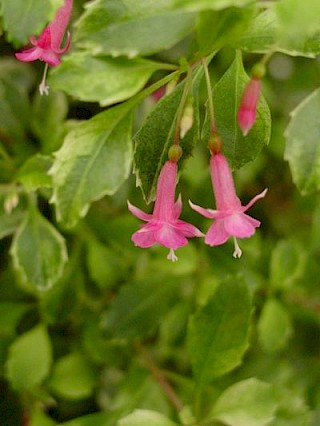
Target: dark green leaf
x,y
94,161
38,252
97,419
29,359
247,403
302,149
105,80
156,135
10,314
227,95
215,345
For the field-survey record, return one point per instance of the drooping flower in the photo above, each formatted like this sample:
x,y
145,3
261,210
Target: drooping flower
x,y
163,225
230,219
47,47
248,107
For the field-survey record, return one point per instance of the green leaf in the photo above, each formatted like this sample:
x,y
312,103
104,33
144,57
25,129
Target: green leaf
x,y
198,5
262,36
10,315
227,95
303,148
73,377
215,345
142,27
155,137
274,326
216,29
38,418
12,211
94,161
47,120
34,172
145,418
30,20
29,359
97,419
247,403
38,252
139,307
84,77
287,265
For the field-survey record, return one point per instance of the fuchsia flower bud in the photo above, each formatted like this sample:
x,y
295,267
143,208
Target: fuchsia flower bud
x,y
230,218
163,225
248,107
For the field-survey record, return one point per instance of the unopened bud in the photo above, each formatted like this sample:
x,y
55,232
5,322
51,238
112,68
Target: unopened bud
x,y
186,120
215,143
258,71
247,112
175,153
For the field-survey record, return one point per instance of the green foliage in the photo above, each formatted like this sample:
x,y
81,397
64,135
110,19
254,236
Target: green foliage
x,y
113,334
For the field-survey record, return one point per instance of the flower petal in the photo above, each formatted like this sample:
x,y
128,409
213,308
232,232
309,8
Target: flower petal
x,y
209,213
217,234
139,213
169,237
241,225
144,238
187,229
177,207
29,55
254,200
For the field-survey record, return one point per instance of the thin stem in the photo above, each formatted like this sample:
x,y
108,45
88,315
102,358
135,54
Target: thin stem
x,y
160,377
180,111
265,59
209,90
43,88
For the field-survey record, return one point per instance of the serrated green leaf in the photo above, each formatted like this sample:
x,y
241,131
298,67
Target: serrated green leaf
x,y
29,359
274,326
73,377
94,161
247,403
139,28
30,20
215,345
34,172
155,137
303,148
227,95
138,308
102,79
262,36
145,418
38,252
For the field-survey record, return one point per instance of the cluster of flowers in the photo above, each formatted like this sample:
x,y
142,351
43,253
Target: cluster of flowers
x,y
163,225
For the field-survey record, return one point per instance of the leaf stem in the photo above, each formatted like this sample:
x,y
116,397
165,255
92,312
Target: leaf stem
x,y
159,377
209,90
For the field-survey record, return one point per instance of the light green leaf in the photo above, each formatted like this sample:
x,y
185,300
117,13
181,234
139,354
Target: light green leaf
x,y
30,19
131,29
247,403
215,345
29,359
73,377
94,161
155,137
38,252
103,79
139,308
97,419
12,211
38,418
227,95
262,36
274,326
145,418
287,265
198,5
303,144
34,172
10,315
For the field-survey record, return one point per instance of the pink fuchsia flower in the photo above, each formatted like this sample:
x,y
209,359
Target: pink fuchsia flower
x,y
248,107
230,217
163,225
47,47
